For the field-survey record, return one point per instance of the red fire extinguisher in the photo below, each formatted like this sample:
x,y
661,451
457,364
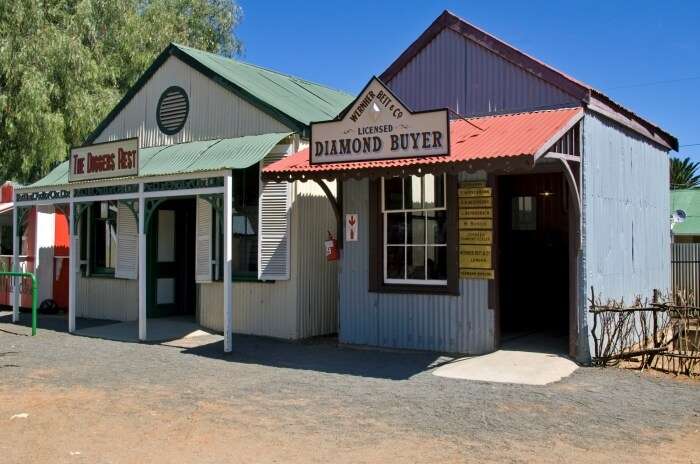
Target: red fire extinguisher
x,y
331,248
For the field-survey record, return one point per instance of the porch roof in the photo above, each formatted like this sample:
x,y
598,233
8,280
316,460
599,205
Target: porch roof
x,y
478,139
189,157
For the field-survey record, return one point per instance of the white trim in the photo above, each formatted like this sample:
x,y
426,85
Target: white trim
x,y
405,245
228,255
142,266
72,266
125,181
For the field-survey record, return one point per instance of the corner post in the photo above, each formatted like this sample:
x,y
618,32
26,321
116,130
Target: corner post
x,y
142,265
72,262
228,252
15,259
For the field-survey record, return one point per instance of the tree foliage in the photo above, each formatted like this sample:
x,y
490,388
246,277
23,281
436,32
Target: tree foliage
x,y
65,63
684,174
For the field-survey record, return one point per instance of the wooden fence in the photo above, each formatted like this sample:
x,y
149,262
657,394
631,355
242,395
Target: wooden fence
x,y
685,268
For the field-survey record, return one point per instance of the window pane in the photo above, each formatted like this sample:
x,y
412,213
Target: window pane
x,y
395,228
434,188
415,267
524,214
412,192
100,260
393,196
395,262
437,226
416,228
437,263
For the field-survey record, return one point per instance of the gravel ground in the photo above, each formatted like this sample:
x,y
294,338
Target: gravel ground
x,y
272,401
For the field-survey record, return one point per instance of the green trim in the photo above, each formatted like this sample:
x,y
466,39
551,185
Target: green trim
x,y
151,205
173,50
183,184
106,190
43,195
102,272
78,211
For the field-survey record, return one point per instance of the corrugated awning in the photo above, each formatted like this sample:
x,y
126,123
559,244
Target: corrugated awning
x,y
190,157
507,136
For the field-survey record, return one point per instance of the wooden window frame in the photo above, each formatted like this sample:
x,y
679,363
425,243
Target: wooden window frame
x,y
376,245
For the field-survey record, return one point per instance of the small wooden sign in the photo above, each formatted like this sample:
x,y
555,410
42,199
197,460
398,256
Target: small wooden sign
x,y
475,256
476,274
482,237
475,202
475,224
474,192
472,184
478,213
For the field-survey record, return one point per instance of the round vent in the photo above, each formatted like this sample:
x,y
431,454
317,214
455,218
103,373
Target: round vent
x,y
173,107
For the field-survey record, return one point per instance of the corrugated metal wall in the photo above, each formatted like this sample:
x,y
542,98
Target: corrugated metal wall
x,y
107,298
214,111
686,268
454,72
460,324
626,228
304,306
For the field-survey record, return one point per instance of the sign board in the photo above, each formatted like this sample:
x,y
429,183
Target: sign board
x,y
482,213
476,274
377,126
475,256
104,160
483,237
475,202
475,224
474,192
351,227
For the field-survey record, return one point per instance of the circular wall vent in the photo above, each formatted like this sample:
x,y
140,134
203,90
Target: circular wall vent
x,y
172,111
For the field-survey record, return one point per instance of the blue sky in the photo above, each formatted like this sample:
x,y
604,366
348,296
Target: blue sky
x,y
643,54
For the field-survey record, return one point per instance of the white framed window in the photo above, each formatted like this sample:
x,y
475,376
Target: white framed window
x,y
414,214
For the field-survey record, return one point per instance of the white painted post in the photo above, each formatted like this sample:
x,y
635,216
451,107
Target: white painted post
x,y
228,252
142,266
73,254
15,261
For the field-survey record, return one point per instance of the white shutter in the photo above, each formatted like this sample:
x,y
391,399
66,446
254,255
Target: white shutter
x,y
203,248
127,244
273,227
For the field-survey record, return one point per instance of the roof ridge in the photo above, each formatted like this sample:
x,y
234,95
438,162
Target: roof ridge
x,y
516,113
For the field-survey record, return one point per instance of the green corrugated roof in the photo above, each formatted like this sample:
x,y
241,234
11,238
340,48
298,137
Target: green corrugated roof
x,y
209,155
689,201
300,99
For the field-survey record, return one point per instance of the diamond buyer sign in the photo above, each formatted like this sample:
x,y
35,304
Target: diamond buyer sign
x,y
104,160
377,126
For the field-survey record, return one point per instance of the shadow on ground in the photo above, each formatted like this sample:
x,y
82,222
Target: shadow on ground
x,y
53,322
322,355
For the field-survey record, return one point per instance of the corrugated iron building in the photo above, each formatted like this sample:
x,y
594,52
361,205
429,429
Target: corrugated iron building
x,y
601,181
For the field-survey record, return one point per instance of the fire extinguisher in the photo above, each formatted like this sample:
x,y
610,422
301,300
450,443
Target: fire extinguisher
x,y
331,248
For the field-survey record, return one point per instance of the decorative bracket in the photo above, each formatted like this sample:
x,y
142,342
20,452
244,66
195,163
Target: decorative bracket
x,y
151,205
337,204
78,210
21,218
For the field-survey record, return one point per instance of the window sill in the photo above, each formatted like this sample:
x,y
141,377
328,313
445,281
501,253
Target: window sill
x,y
416,289
99,275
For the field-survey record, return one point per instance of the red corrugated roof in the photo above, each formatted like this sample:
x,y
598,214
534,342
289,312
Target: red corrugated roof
x,y
507,135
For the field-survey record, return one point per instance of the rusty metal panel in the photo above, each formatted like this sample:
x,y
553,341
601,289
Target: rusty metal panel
x,y
625,220
455,72
458,324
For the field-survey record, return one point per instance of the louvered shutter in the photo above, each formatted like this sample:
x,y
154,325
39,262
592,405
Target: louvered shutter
x,y
273,239
127,244
203,260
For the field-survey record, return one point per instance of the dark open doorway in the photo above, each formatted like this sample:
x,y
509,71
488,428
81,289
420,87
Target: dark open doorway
x,y
533,240
171,289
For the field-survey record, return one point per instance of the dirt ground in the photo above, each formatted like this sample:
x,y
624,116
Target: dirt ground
x,y
69,399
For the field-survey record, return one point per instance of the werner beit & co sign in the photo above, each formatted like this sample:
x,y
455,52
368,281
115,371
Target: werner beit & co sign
x,y
377,126
104,160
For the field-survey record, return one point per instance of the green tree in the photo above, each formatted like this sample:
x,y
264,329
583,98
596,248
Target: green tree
x,y
684,174
65,63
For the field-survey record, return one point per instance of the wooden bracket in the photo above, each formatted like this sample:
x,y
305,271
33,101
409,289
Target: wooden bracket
x,y
337,204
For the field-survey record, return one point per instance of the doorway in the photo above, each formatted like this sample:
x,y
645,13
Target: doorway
x,y
171,255
533,239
